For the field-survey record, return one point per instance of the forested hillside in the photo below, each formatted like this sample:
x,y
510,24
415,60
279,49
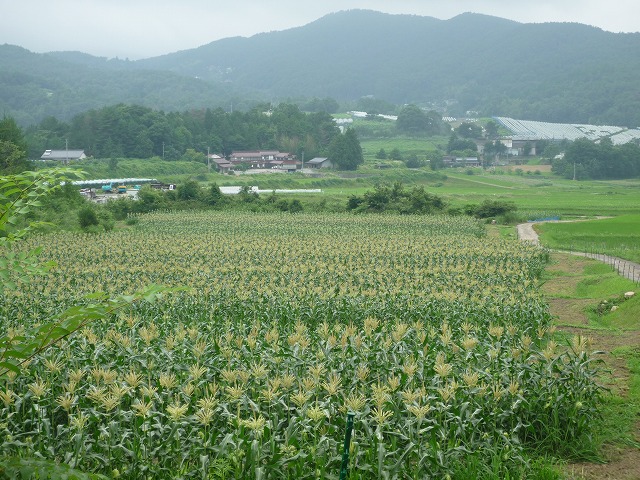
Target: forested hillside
x,y
35,86
558,72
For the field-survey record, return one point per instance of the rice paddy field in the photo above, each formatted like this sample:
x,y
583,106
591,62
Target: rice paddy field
x,y
432,334
619,236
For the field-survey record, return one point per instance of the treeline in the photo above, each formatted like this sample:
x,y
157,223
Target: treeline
x,y
584,159
133,131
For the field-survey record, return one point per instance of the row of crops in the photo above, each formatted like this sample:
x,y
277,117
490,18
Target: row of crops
x,y
432,334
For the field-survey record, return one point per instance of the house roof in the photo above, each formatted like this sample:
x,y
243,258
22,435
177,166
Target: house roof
x,y
259,153
61,154
317,160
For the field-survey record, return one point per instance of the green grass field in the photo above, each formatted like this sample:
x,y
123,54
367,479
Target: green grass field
x,y
619,236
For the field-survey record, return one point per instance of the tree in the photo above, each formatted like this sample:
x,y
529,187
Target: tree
x,y
87,218
12,159
189,190
385,197
381,155
192,156
491,129
456,144
490,208
345,151
10,132
469,130
395,154
412,120
13,147
414,162
494,149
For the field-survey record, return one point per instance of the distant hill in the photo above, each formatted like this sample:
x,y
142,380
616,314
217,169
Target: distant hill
x,y
34,86
556,72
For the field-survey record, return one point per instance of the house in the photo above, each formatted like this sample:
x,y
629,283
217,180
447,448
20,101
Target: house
x,y
222,164
319,162
263,159
64,155
450,161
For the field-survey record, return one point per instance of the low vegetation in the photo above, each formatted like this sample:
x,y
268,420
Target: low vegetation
x,y
293,321
619,236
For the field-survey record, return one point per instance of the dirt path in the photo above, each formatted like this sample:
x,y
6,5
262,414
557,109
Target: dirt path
x,y
622,462
626,268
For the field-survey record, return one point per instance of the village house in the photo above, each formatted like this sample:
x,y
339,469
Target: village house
x,y
450,161
265,159
319,162
221,164
63,155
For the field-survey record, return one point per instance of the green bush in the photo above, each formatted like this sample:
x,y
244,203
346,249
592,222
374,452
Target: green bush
x,y
87,217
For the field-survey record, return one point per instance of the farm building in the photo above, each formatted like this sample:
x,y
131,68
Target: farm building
x,y
265,159
319,162
450,161
64,155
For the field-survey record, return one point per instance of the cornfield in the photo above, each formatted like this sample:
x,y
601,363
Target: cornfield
x,y
432,334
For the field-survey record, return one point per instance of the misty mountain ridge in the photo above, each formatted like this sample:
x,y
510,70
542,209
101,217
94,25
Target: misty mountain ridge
x,y
557,72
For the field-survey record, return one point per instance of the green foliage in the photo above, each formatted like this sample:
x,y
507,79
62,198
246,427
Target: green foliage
x,y
345,151
18,195
469,130
327,105
307,316
412,120
189,190
585,159
395,198
38,469
395,154
133,131
490,209
413,161
457,144
87,217
13,147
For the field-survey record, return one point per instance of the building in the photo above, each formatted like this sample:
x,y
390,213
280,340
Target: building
x,y
319,162
450,161
222,164
64,155
265,159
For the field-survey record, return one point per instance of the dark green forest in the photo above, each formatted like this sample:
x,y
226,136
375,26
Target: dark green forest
x,y
133,131
557,72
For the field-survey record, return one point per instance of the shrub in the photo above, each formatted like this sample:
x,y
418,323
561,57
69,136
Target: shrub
x,y
87,217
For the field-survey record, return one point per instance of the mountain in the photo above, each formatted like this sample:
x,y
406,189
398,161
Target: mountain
x,y
558,72
34,86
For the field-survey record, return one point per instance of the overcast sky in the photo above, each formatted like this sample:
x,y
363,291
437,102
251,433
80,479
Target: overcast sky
x,y
145,28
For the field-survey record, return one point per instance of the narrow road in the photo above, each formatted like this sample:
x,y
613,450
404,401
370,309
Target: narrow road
x,y
626,268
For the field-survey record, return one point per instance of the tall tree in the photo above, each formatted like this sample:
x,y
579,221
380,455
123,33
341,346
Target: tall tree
x,y
13,147
412,120
345,151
